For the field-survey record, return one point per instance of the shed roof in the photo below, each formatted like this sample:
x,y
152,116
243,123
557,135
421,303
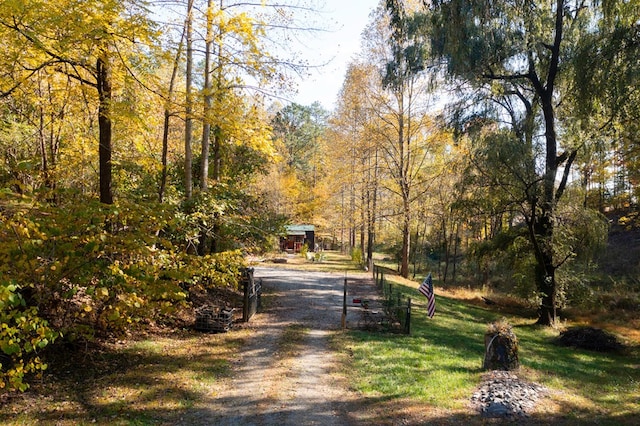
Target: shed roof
x,y
299,229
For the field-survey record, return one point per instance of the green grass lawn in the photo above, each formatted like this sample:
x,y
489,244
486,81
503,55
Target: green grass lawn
x,y
440,364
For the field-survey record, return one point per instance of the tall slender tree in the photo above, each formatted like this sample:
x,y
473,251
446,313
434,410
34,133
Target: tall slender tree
x,y
208,98
188,119
402,77
356,154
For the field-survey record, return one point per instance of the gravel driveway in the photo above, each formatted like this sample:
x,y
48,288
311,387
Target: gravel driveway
x,y
275,383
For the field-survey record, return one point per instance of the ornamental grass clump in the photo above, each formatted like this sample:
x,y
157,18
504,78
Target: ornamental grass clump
x,y
501,347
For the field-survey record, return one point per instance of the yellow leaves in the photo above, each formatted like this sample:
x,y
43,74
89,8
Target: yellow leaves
x,y
133,300
115,269
114,315
241,25
239,48
291,185
14,7
22,231
497,88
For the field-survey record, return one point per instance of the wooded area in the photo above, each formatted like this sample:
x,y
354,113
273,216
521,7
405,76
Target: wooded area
x,y
146,149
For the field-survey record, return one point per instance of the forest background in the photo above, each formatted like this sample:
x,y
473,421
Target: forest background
x,y
147,149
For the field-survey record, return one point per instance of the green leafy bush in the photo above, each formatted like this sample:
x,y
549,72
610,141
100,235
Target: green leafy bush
x,y
356,256
214,270
226,219
22,335
88,270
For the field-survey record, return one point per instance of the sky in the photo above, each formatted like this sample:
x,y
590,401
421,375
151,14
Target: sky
x,y
347,18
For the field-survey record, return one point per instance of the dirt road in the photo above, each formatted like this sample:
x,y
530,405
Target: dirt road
x,y
286,372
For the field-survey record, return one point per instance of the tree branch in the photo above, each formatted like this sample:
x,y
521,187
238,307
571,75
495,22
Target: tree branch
x,y
565,174
77,77
32,72
505,77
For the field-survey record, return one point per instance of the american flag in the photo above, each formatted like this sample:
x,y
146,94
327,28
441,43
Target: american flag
x,y
426,288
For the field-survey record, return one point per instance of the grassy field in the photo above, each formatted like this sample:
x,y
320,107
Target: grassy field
x,y
439,365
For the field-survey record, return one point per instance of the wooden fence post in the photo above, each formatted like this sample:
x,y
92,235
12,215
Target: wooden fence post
x,y
245,302
344,306
407,324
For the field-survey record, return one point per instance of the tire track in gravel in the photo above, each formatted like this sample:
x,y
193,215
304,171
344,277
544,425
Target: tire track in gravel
x,y
275,383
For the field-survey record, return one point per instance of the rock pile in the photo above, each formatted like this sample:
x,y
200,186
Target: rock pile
x,y
590,338
503,394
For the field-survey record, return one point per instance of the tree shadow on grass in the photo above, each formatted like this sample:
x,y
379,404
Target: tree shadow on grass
x,y
152,381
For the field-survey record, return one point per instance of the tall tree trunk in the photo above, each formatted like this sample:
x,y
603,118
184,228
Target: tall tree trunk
x,y
372,193
403,183
165,151
544,216
188,125
352,222
363,222
103,69
406,239
206,128
544,222
353,239
49,143
167,117
217,154
445,246
217,131
208,99
44,162
415,250
342,220
455,252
